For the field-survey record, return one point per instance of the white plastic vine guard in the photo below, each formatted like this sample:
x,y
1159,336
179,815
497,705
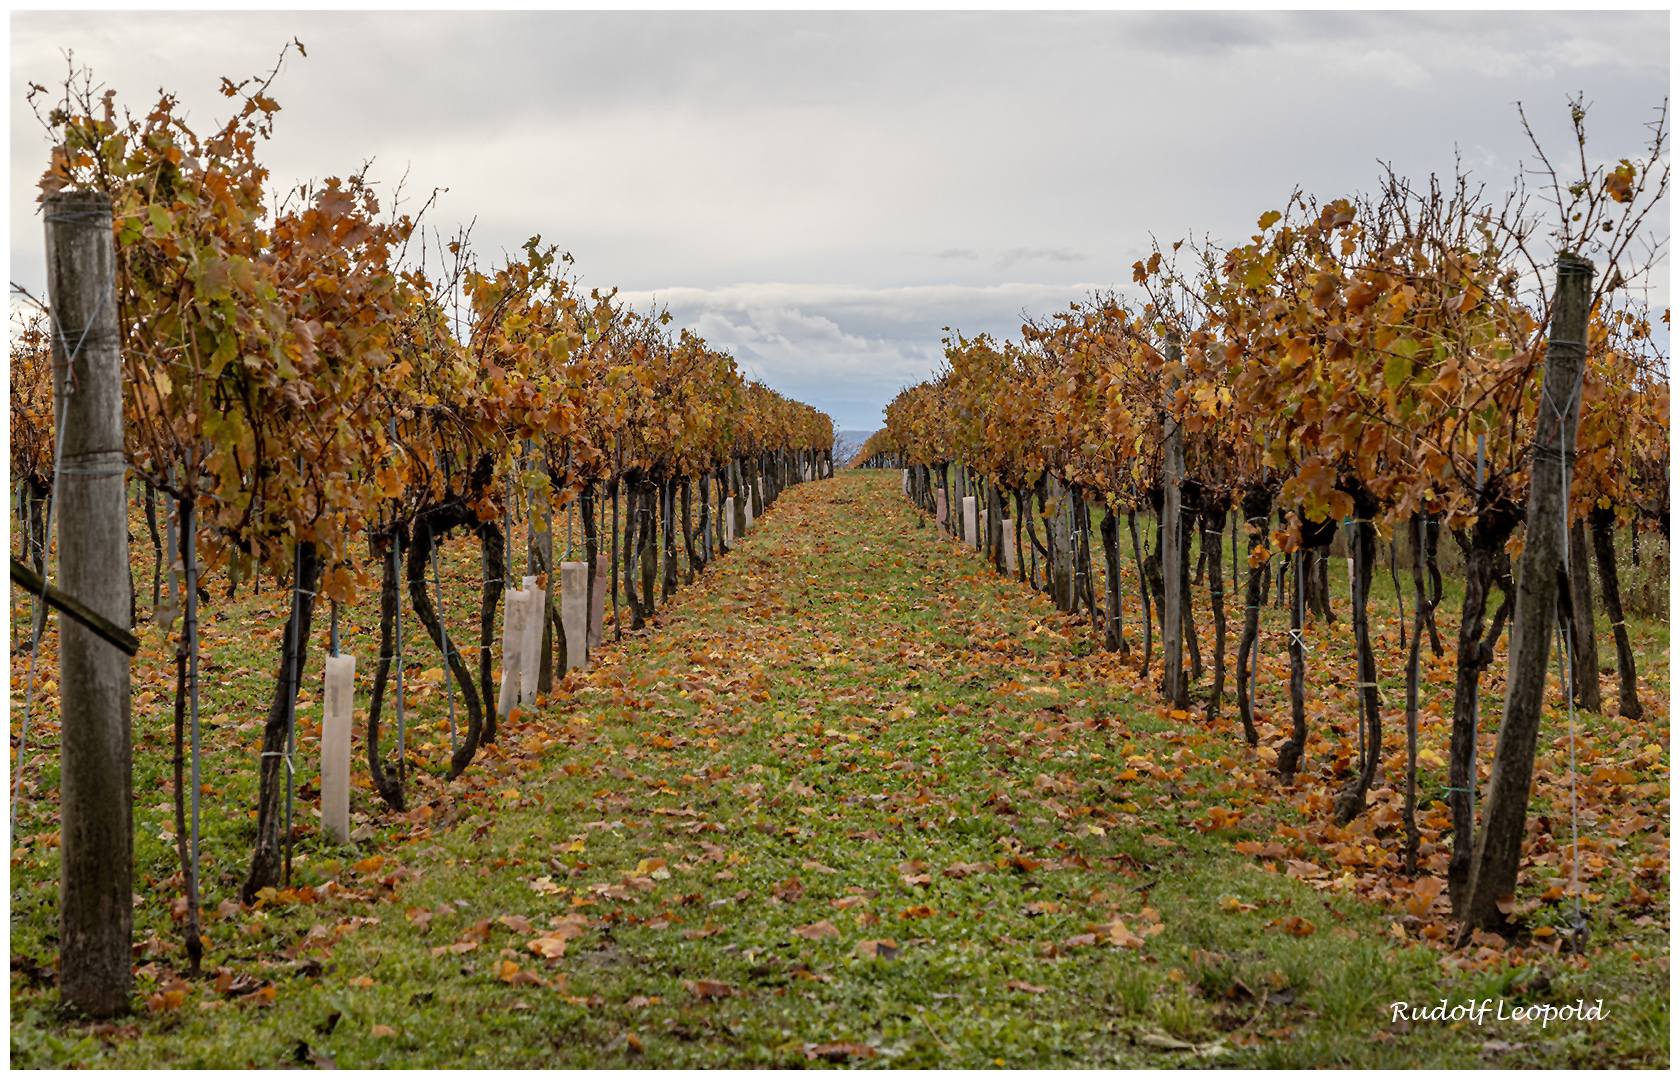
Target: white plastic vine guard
x,y
513,641
338,703
574,595
530,651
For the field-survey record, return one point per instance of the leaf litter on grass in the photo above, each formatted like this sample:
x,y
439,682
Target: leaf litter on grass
x,y
848,781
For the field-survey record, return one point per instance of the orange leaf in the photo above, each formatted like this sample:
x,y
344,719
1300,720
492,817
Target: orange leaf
x,y
817,930
1292,924
711,988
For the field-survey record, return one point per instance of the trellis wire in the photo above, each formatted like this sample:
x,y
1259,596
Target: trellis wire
x,y
1476,698
1566,659
39,621
190,629
402,755
443,632
295,674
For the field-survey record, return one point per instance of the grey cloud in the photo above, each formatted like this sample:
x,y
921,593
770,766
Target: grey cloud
x,y
894,156
1014,255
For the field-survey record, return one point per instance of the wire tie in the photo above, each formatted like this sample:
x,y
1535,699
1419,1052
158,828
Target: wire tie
x,y
80,217
92,470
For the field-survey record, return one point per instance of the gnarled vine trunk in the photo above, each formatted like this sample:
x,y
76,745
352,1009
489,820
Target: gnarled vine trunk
x,y
1603,522
1257,510
267,858
1482,545
390,788
1362,542
429,525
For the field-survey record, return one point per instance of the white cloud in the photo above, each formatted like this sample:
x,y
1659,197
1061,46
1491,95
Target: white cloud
x,y
847,349
954,168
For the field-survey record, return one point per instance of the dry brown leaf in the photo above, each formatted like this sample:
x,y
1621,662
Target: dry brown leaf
x,y
839,1051
817,930
961,870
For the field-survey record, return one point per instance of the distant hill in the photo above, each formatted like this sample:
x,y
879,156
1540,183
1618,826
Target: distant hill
x,y
848,443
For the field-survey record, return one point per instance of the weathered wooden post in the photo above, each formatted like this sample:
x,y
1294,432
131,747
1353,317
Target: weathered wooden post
x,y
96,850
1493,868
1172,471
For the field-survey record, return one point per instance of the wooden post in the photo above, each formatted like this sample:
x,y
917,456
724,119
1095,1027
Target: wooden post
x,y
96,852
1172,471
1493,868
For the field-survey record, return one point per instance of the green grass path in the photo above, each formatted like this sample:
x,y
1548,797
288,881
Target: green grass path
x,y
853,802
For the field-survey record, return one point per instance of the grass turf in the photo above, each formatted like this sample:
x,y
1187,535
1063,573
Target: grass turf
x,y
853,801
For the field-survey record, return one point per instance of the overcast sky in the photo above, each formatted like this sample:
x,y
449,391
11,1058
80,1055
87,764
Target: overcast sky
x,y
821,193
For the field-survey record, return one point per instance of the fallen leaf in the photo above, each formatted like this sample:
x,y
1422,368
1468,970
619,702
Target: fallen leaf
x,y
839,1051
817,930
711,988
1292,924
961,870
1120,937
1019,984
